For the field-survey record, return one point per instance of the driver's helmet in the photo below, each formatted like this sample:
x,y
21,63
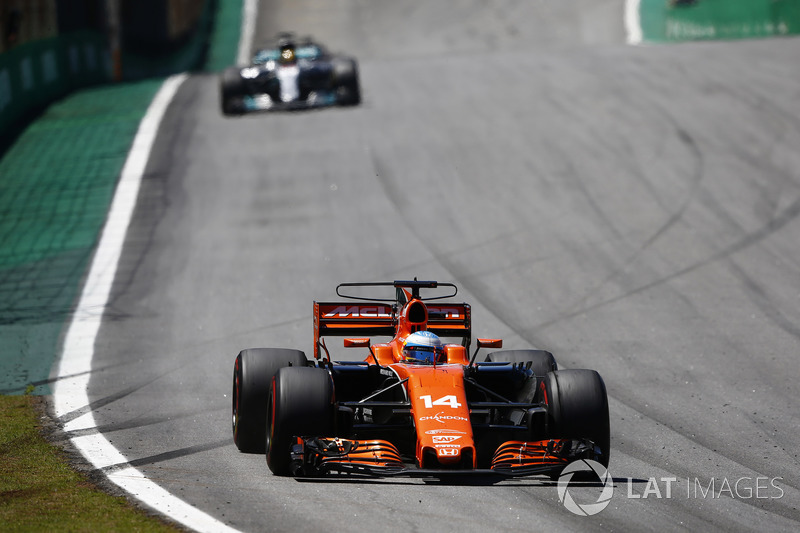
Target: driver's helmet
x,y
287,56
423,347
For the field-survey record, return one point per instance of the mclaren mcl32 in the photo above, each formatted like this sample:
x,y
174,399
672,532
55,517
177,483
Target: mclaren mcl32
x,y
412,400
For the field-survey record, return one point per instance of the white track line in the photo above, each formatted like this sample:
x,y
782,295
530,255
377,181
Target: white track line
x,y
70,395
633,23
249,12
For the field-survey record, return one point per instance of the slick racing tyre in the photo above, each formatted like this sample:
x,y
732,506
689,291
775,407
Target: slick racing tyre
x,y
231,91
345,76
253,371
577,408
300,404
541,361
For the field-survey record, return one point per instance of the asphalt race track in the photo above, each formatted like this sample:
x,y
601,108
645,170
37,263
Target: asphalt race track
x,y
632,209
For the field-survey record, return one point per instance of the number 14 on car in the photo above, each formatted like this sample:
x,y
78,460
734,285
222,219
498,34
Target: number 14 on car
x,y
449,400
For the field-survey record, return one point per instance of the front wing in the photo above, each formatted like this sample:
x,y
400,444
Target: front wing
x,y
262,102
315,456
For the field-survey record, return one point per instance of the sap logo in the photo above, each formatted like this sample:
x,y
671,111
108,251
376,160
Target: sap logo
x,y
440,439
356,311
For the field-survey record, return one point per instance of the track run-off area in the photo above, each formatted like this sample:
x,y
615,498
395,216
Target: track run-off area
x,y
632,209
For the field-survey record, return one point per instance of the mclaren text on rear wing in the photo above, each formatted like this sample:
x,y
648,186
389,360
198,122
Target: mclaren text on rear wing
x,y
370,319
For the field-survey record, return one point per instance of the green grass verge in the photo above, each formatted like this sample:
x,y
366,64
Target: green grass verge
x,y
39,491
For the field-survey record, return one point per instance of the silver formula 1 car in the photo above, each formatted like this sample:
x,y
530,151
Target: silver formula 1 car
x,y
290,74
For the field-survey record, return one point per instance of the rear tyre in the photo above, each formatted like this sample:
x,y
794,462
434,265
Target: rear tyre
x,y
577,408
300,404
253,371
541,361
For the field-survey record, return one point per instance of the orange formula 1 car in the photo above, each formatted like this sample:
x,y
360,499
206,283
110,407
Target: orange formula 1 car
x,y
413,404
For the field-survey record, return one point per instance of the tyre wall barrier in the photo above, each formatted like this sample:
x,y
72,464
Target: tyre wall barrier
x,y
36,73
686,20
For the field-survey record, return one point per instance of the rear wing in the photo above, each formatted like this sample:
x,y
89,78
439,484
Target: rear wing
x,y
370,319
451,320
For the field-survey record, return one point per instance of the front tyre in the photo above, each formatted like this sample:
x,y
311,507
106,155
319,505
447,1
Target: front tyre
x,y
300,404
346,84
253,371
231,91
577,408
